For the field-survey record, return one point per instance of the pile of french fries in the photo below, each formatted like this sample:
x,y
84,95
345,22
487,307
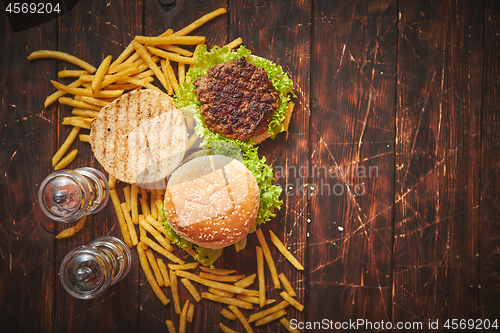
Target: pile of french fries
x,y
139,213
139,217
135,68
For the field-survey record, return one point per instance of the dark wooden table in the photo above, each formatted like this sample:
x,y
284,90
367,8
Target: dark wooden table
x,y
390,167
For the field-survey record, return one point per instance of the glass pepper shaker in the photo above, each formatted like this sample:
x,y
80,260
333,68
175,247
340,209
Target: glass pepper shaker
x,y
89,270
68,195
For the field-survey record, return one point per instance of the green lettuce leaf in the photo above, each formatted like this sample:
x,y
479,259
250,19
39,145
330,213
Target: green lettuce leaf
x,y
244,151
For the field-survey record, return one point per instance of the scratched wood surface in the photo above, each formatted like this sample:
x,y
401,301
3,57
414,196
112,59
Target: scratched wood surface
x,y
390,169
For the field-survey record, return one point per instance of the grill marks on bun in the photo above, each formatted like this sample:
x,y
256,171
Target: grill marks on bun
x,y
139,138
212,201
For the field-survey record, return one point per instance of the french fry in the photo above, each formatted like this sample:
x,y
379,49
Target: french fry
x,y
288,326
215,284
261,314
155,223
292,301
108,93
71,73
117,76
120,67
190,313
228,300
176,49
199,22
171,56
269,258
163,63
121,219
190,265
66,160
143,53
171,76
156,235
144,206
163,271
78,104
161,250
181,71
288,115
192,289
175,291
287,285
133,203
71,90
65,146
99,74
77,122
262,279
154,265
241,318
235,43
62,56
226,329
279,245
217,271
73,230
55,96
126,194
181,40
124,55
84,137
170,326
149,275
254,300
154,208
270,318
111,181
183,319
143,75
159,226
248,281
220,292
221,278
191,141
142,233
228,314
130,224
95,101
85,113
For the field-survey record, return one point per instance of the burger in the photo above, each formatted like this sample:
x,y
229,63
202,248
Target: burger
x,y
237,100
211,201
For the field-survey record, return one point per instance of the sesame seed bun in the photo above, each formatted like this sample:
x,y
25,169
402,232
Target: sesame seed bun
x,y
139,138
212,201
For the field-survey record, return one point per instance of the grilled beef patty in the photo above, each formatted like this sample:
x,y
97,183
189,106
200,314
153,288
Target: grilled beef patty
x,y
239,100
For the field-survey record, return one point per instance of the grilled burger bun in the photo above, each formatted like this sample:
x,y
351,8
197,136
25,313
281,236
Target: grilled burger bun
x,y
212,201
139,138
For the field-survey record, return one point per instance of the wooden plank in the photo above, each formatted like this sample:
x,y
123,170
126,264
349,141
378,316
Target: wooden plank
x,y
352,160
437,158
288,45
27,276
86,32
489,281
157,19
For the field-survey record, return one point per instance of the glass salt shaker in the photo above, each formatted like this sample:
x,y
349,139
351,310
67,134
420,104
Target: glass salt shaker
x,y
89,270
68,195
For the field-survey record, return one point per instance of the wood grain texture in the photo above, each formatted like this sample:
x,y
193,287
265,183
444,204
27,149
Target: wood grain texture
x,y
489,281
437,158
404,93
352,160
27,274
